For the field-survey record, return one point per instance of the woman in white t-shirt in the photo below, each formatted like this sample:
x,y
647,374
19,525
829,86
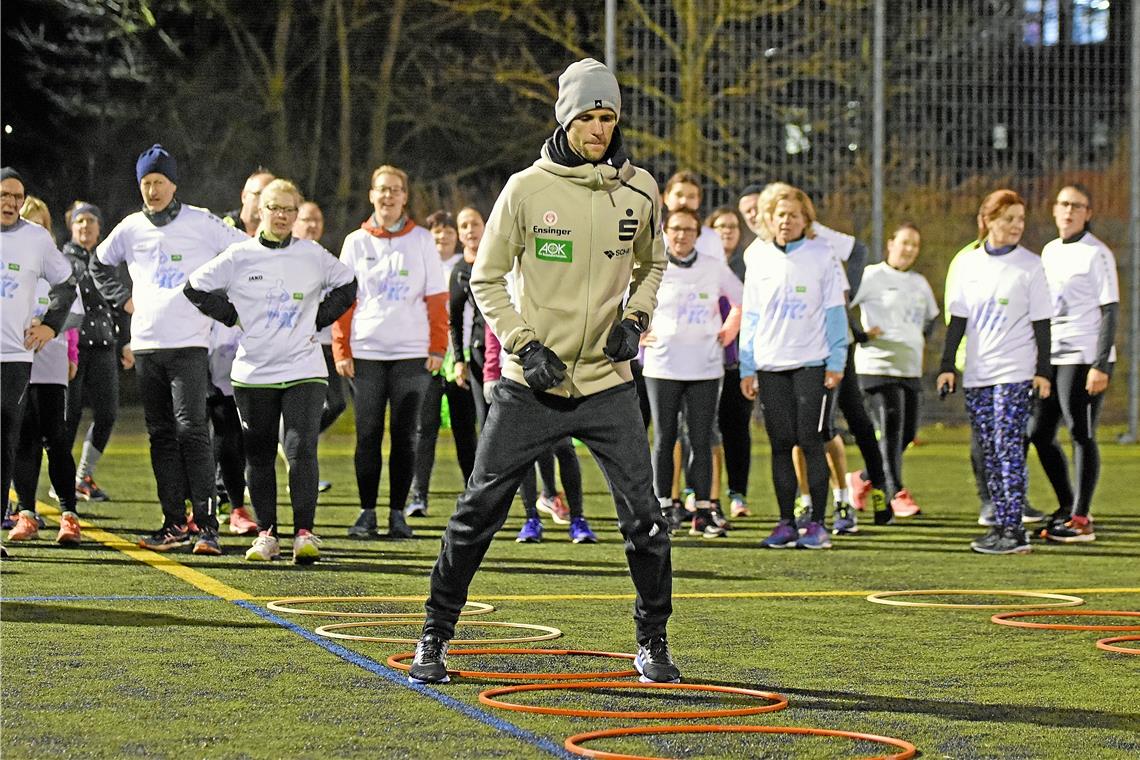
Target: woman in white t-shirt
x,y
793,347
1081,272
999,301
898,313
389,342
684,361
281,291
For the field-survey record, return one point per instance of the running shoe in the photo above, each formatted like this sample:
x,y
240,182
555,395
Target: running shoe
x,y
324,486
881,508
11,515
903,505
987,517
803,514
737,507
166,538
844,523
1002,540
1030,515
704,525
689,499
306,548
815,537
365,525
655,663
397,525
26,527
1076,530
678,516
3,552
860,489
69,533
207,543
88,489
242,522
531,532
580,532
191,526
265,548
1055,520
430,663
417,508
555,506
783,536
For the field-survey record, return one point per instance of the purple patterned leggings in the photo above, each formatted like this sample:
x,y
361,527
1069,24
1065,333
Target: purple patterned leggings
x,y
1000,416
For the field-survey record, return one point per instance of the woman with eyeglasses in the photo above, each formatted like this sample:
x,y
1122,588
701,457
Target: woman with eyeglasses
x,y
1081,272
999,301
389,342
793,348
684,364
272,286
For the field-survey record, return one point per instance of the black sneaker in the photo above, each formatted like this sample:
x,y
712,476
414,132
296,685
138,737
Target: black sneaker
x,y
167,538
430,662
1054,521
365,525
1031,515
654,662
1002,540
207,543
397,525
704,525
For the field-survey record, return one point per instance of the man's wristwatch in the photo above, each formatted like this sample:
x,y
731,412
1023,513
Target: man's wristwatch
x,y
641,319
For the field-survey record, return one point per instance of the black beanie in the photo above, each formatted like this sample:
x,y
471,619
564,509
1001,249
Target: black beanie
x,y
753,189
7,172
156,160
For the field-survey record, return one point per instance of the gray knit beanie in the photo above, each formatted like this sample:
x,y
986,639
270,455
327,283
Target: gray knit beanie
x,y
583,86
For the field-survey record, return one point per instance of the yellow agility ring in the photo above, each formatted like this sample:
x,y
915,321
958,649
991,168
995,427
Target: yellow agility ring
x,y
1060,600
332,632
286,606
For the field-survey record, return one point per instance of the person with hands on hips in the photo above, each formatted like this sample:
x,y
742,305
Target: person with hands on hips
x,y
999,301
580,228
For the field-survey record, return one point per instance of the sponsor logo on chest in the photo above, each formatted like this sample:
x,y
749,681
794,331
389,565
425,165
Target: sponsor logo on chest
x,y
554,250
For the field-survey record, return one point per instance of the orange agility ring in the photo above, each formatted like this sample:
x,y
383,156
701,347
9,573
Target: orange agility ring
x,y
286,606
573,743
1108,645
778,702
397,661
1003,618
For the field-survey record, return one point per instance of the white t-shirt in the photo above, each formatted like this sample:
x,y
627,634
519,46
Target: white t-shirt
x,y
324,335
786,297
159,260
1082,278
276,292
224,342
1000,297
49,367
27,254
900,304
841,243
687,320
394,276
709,242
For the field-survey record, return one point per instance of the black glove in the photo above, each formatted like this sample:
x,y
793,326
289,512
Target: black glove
x,y
541,367
622,344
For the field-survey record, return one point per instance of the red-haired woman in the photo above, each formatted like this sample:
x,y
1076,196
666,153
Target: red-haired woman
x,y
999,300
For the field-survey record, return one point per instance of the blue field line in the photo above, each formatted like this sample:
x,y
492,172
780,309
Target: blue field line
x,y
118,598
401,679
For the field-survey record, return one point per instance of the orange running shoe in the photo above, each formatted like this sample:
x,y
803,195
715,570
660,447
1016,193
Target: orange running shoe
x,y
860,489
903,505
69,534
25,528
242,523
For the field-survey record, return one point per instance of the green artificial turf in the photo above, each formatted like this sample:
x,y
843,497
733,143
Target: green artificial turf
x,y
203,677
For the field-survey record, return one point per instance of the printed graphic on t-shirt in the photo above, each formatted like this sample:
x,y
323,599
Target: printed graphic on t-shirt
x,y
281,307
694,309
992,315
790,307
168,274
9,285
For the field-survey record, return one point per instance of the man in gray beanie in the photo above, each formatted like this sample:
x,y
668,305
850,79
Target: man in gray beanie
x,y
580,230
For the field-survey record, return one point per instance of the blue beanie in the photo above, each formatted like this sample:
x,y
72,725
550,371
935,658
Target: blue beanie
x,y
156,159
88,208
7,172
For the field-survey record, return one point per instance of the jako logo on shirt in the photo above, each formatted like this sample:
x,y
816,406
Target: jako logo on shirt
x,y
554,250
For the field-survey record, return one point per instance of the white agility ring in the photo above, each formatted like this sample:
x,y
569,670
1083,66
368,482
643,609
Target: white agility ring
x,y
285,606
332,632
1060,600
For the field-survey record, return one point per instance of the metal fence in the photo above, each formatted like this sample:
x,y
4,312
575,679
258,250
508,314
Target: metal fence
x,y
970,95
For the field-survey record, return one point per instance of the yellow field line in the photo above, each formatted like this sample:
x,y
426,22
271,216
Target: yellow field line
x,y
154,559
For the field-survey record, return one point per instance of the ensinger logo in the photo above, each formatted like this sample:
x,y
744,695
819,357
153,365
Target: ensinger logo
x,y
554,250
555,231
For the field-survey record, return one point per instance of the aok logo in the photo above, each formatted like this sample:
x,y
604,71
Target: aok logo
x,y
554,250
627,229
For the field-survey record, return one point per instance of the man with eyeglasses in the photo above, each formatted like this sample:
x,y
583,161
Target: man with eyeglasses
x,y
27,254
580,230
161,245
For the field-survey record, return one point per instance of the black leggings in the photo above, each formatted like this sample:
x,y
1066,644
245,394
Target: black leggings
x,y
44,427
400,383
229,449
262,411
571,471
735,417
96,384
793,406
335,403
14,384
1080,411
461,411
860,425
698,400
898,422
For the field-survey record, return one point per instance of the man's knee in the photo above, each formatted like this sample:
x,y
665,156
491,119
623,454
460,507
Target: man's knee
x,y
647,534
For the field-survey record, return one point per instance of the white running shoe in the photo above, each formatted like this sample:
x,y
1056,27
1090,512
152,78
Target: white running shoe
x,y
306,548
266,548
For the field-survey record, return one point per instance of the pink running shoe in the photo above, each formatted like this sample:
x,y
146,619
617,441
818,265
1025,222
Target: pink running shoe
x,y
903,505
241,523
555,507
860,488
